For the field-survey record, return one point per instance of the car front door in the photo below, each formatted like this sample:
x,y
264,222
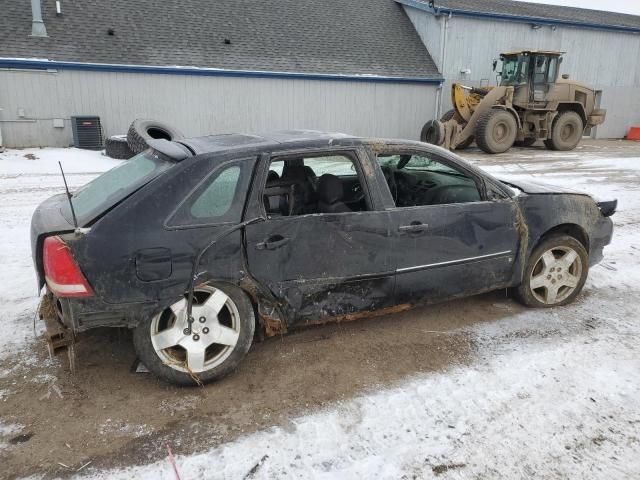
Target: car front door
x,y
447,238
327,255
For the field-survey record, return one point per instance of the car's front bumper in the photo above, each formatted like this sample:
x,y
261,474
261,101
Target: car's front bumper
x,y
599,238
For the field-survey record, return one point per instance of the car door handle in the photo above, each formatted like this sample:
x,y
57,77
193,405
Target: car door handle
x,y
272,243
413,227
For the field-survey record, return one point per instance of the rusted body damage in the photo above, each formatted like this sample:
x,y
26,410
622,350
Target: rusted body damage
x,y
360,315
326,267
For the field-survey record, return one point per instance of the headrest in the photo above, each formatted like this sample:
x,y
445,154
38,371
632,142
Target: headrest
x,y
272,176
330,189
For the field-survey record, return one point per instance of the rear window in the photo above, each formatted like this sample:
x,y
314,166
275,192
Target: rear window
x,y
111,187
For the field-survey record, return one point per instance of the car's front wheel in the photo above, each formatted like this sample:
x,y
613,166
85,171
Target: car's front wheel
x,y
555,273
208,349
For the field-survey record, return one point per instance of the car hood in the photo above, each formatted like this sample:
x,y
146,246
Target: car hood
x,y
532,187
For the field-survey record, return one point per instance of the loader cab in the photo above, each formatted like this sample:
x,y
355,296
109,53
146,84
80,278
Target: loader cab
x,y
532,74
515,70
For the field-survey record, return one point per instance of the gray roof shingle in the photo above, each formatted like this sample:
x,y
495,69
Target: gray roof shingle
x,y
373,37
542,11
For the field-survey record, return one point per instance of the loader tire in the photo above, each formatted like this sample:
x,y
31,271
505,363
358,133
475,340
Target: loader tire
x,y
496,131
142,130
467,143
118,148
448,115
566,131
432,132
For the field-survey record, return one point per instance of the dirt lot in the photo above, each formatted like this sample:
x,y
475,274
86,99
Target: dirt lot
x,y
109,416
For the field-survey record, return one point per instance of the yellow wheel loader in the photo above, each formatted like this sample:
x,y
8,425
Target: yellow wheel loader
x,y
529,104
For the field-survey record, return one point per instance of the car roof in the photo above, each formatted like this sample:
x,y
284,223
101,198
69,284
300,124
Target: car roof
x,y
292,139
235,141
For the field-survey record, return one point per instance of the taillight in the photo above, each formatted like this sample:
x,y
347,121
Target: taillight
x,y
61,271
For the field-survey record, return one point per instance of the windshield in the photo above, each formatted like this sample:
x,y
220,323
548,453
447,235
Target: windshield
x,y
111,187
514,70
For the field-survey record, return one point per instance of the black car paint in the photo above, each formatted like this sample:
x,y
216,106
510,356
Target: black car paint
x,y
327,266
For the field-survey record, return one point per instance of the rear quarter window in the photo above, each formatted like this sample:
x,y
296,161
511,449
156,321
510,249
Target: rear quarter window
x,y
216,200
219,198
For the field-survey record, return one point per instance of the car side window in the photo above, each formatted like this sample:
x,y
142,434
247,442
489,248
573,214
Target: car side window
x,y
215,200
420,180
313,183
219,198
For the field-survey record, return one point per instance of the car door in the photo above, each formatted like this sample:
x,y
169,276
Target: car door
x,y
447,238
320,264
544,73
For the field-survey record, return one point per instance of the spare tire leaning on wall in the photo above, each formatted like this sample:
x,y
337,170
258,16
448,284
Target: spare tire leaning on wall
x,y
143,130
117,147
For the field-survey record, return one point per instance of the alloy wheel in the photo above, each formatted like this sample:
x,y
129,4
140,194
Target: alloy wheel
x,y
205,343
556,275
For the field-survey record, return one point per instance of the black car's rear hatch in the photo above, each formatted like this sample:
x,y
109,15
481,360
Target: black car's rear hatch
x,y
96,198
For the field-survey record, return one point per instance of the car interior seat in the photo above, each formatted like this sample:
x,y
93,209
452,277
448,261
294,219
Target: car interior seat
x,y
331,194
276,195
303,195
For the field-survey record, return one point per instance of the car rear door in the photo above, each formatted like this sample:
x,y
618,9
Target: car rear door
x,y
322,265
460,246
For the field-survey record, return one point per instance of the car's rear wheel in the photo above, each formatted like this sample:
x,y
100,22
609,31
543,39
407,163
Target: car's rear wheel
x,y
555,272
215,343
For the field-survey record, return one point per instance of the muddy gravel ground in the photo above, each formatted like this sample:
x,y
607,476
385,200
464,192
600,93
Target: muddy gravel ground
x,y
111,416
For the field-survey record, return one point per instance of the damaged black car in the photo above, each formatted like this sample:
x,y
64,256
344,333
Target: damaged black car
x,y
202,245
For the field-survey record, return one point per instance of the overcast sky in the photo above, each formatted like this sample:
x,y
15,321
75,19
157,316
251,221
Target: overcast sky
x,y
624,6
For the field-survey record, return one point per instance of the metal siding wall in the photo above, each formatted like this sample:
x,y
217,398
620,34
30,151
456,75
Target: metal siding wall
x,y
200,105
607,61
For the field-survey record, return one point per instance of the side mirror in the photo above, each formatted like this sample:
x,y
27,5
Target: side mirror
x,y
495,64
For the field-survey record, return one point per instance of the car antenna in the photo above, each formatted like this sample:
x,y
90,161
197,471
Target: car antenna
x,y
73,212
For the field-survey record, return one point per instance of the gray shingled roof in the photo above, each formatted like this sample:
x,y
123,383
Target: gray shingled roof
x,y
543,11
373,37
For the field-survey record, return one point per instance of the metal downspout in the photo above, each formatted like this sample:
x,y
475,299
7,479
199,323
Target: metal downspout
x,y
444,26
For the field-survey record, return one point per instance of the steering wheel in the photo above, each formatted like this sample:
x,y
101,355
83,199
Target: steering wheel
x,y
357,194
390,177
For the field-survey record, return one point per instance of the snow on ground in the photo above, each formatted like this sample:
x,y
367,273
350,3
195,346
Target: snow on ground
x,y
41,161
28,177
550,393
